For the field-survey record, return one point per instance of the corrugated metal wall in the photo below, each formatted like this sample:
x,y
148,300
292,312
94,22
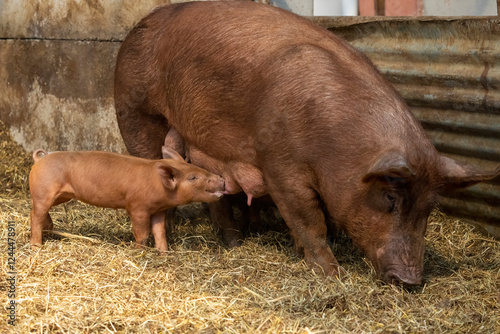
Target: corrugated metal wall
x,y
448,70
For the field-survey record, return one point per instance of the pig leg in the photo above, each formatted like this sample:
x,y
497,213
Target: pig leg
x,y
158,221
240,201
251,221
302,212
143,134
223,222
39,222
141,227
255,222
169,222
40,218
246,215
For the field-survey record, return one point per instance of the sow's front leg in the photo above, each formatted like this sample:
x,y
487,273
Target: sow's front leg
x,y
301,210
223,222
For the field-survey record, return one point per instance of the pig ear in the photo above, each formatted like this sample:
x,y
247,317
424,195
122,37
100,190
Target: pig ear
x,y
457,174
168,175
169,153
392,168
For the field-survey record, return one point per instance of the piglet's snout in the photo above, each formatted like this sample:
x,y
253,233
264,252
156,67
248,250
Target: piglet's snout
x,y
216,184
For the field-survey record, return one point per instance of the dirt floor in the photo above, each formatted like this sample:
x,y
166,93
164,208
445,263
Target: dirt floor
x,y
90,278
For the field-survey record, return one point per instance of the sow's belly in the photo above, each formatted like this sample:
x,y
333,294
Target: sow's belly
x,y
238,176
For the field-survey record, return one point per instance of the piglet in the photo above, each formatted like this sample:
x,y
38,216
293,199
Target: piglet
x,y
145,188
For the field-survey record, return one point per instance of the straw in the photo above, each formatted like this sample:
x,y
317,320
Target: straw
x,y
89,277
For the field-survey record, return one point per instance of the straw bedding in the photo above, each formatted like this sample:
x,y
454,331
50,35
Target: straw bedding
x,y
90,278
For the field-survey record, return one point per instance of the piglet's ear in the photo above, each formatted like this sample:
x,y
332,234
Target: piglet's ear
x,y
455,174
168,175
392,168
169,153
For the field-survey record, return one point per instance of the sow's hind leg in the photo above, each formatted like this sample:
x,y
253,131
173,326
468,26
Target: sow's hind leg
x,y
302,211
142,125
142,132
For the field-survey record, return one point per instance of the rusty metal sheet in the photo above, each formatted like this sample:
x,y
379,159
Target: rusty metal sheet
x,y
448,70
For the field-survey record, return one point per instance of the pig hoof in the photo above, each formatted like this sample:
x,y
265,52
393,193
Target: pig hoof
x,y
233,243
232,238
334,271
35,247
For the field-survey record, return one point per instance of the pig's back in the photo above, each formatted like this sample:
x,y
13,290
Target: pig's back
x,y
99,178
239,79
207,66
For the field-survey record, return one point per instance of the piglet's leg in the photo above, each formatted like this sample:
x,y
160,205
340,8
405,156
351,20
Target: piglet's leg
x,y
40,221
158,221
302,212
39,218
141,227
170,220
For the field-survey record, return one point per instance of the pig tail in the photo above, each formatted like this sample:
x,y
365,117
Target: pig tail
x,y
38,154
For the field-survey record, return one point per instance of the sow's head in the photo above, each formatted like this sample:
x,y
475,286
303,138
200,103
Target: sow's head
x,y
388,212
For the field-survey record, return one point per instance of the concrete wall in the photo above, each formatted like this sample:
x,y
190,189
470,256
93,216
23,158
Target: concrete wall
x,y
71,19
57,94
56,70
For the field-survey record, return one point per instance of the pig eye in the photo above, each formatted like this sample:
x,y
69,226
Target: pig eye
x,y
191,177
392,201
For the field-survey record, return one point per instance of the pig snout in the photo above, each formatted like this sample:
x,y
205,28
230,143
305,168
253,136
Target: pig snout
x,y
216,185
406,276
400,265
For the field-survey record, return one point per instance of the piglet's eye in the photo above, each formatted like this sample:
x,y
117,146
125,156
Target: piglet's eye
x,y
191,177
